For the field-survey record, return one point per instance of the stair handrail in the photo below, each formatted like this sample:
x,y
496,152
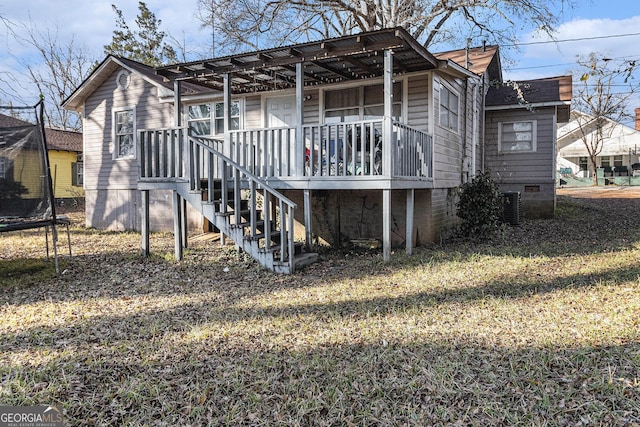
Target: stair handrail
x,y
264,185
287,249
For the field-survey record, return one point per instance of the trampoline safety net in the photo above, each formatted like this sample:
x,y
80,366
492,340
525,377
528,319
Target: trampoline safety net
x,y
26,194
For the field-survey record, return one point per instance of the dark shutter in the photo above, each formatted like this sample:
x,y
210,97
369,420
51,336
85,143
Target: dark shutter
x,y
74,174
8,167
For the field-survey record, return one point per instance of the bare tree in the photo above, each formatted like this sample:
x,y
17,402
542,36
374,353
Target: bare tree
x,y
56,71
61,70
602,96
251,23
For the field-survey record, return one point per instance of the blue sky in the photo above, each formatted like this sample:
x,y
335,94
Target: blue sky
x,y
91,24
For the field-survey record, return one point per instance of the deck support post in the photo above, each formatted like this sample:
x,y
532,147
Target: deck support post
x,y
387,124
226,94
307,219
386,225
145,223
184,223
177,225
299,144
411,194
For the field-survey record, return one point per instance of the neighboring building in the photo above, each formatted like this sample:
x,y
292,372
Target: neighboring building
x,y
65,159
520,136
369,135
620,145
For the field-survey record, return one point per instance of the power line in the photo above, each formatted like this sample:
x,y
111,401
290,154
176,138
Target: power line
x,y
574,40
619,58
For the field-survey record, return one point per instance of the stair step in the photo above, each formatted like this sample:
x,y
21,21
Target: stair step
x,y
298,248
231,213
245,224
305,259
275,236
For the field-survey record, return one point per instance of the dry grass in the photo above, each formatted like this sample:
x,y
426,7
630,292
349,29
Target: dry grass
x,y
539,327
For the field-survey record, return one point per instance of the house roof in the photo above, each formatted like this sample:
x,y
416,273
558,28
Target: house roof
x,y
63,140
550,91
57,139
347,58
478,60
112,63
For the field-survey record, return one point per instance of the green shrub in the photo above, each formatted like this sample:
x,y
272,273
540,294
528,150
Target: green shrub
x,y
480,207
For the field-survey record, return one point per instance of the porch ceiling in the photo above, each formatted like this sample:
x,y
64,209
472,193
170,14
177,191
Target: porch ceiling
x,y
335,60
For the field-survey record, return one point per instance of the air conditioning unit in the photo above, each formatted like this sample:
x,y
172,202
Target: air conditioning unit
x,y
511,205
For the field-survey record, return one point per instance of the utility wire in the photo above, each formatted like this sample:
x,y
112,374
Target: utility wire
x,y
573,40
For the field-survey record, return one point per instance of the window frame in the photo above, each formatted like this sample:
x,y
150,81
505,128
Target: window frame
x,y
617,161
583,166
77,172
115,135
445,107
534,137
3,167
361,104
213,118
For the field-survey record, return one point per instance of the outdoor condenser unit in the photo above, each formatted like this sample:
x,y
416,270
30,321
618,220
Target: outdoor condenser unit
x,y
511,213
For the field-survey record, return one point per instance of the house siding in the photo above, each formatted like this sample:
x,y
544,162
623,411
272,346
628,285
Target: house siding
x,y
531,173
447,144
418,102
62,174
253,117
112,200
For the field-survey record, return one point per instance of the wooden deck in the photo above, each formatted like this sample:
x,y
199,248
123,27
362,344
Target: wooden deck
x,y
328,156
235,182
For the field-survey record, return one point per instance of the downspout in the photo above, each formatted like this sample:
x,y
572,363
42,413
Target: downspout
x,y
474,138
483,122
464,173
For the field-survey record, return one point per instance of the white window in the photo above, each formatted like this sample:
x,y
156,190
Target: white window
x,y
517,136
449,109
124,131
201,121
218,118
3,168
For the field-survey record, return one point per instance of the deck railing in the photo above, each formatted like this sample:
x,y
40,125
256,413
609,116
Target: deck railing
x,y
160,153
268,152
339,149
413,157
331,150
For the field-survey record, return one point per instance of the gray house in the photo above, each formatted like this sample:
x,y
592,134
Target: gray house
x,y
120,97
521,133
362,137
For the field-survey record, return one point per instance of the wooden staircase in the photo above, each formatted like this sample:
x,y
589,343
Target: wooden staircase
x,y
243,207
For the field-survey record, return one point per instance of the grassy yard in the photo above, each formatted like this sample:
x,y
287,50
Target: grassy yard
x,y
539,327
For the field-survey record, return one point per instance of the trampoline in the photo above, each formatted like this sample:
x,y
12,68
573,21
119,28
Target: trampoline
x,y
26,192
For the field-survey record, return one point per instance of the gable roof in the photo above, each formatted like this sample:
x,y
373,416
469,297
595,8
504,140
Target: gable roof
x,y
341,59
480,60
550,91
57,139
112,63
